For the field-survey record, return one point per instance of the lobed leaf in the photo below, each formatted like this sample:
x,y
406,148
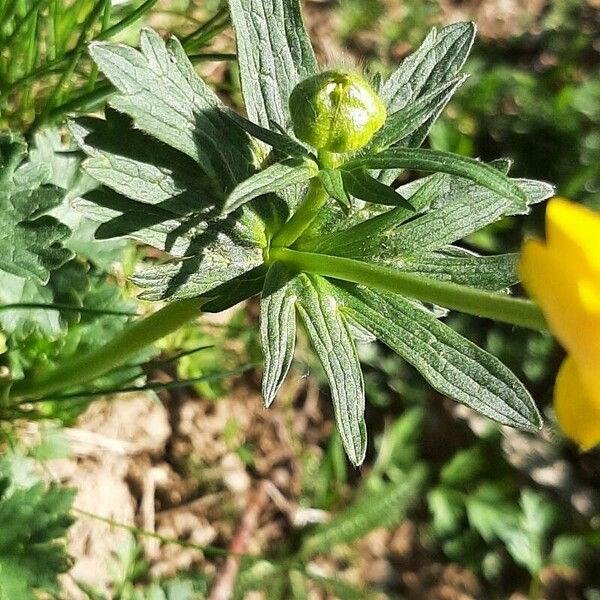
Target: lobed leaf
x,y
30,240
33,521
465,208
165,97
119,216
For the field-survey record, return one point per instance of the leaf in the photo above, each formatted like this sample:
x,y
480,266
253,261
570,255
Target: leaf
x,y
361,185
382,509
349,240
277,329
119,216
436,62
453,164
466,466
447,509
451,364
490,512
225,251
333,183
462,211
33,521
280,141
334,345
527,542
143,169
18,322
408,119
456,208
165,97
274,178
30,240
64,161
494,273
274,54
236,290
432,66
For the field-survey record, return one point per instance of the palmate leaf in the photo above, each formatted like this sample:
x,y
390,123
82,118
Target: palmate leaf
x,y
190,181
160,90
142,168
168,190
31,242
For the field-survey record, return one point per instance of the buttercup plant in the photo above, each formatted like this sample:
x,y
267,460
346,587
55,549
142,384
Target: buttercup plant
x,y
296,203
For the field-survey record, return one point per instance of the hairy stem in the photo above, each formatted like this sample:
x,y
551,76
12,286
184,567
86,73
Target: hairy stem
x,y
113,354
500,307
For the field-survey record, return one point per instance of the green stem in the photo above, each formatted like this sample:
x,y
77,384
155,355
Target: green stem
x,y
113,354
309,208
500,307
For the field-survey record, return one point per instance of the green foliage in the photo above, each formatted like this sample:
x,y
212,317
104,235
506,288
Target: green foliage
x,y
45,72
34,520
476,508
225,258
32,241
382,506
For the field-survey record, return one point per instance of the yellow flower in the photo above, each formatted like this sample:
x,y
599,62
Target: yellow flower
x,y
562,275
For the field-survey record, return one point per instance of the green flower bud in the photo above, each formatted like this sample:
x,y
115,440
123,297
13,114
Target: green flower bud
x,y
336,111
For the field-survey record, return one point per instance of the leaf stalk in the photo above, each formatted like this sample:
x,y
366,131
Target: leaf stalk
x,y
481,303
113,354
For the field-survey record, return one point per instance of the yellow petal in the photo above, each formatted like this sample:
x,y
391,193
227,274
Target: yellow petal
x,y
575,230
577,406
565,294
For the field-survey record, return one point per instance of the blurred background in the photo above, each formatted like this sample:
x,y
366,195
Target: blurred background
x,y
173,486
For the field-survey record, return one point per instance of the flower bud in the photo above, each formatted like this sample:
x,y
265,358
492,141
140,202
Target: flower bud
x,y
336,111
